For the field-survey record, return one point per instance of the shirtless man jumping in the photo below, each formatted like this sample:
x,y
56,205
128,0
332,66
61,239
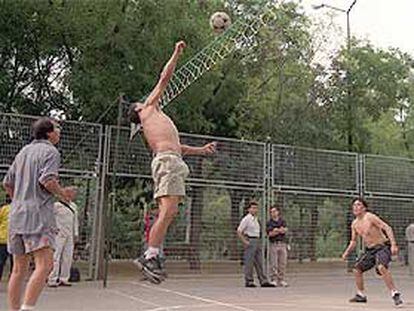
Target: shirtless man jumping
x,y
379,248
169,171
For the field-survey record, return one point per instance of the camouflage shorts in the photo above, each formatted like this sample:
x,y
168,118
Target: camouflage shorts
x,y
21,244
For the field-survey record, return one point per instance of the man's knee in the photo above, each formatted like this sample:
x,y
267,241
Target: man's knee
x,y
357,272
381,269
168,207
44,261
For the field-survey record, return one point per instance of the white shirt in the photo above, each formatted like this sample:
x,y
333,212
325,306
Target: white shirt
x,y
67,219
250,226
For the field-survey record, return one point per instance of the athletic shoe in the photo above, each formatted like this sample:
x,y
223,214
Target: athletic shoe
x,y
274,283
397,299
53,285
64,284
283,284
251,285
151,269
267,284
358,298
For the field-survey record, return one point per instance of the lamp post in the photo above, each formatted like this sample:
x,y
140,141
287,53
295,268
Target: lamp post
x,y
351,259
348,35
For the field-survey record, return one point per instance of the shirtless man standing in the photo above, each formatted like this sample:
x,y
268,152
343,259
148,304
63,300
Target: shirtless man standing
x,y
169,171
379,248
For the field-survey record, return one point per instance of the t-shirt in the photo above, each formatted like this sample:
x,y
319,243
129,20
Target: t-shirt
x,y
31,209
271,224
250,226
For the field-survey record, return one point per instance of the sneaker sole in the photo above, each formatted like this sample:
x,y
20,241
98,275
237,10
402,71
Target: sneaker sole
x,y
148,274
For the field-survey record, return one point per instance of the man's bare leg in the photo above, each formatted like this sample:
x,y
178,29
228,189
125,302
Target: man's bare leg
x,y
19,272
359,281
387,277
168,209
150,263
389,282
44,264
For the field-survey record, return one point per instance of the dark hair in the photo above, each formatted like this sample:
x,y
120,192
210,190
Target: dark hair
x,y
133,116
251,203
42,127
363,202
8,199
276,208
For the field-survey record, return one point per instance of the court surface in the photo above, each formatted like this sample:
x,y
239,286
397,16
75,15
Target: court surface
x,y
321,289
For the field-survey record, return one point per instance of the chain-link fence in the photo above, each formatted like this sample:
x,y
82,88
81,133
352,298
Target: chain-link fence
x,y
217,190
314,188
80,149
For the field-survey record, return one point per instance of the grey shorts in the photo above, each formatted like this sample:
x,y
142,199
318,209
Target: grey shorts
x,y
169,172
21,244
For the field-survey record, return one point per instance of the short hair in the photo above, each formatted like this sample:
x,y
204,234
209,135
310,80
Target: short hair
x,y
363,202
276,208
251,203
8,199
41,127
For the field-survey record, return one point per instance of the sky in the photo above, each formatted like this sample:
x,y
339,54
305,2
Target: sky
x,y
386,23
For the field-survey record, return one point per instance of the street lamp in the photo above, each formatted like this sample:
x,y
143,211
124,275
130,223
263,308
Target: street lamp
x,y
348,35
346,11
349,102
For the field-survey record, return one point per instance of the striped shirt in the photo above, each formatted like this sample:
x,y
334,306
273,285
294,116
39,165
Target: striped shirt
x,y
31,209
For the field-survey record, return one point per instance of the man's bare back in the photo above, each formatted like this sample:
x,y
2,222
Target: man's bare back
x,y
159,130
366,228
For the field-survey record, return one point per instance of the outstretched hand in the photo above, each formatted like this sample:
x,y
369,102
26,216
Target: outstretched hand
x,y
210,148
180,46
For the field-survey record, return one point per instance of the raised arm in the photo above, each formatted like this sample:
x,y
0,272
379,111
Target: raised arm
x,y
209,148
378,222
352,243
166,74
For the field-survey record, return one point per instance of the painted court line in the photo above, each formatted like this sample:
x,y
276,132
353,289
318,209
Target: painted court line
x,y
114,291
210,301
180,307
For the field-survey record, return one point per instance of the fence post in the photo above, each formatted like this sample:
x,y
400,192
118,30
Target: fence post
x,y
100,230
95,221
267,201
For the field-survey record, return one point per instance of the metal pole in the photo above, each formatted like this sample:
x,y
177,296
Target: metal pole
x,y
93,262
348,79
101,210
112,203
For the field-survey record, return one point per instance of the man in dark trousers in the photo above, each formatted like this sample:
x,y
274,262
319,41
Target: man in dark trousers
x,y
249,233
276,230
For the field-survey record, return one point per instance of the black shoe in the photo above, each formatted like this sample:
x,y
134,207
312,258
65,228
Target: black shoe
x,y
359,298
267,284
397,299
64,284
250,285
151,268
